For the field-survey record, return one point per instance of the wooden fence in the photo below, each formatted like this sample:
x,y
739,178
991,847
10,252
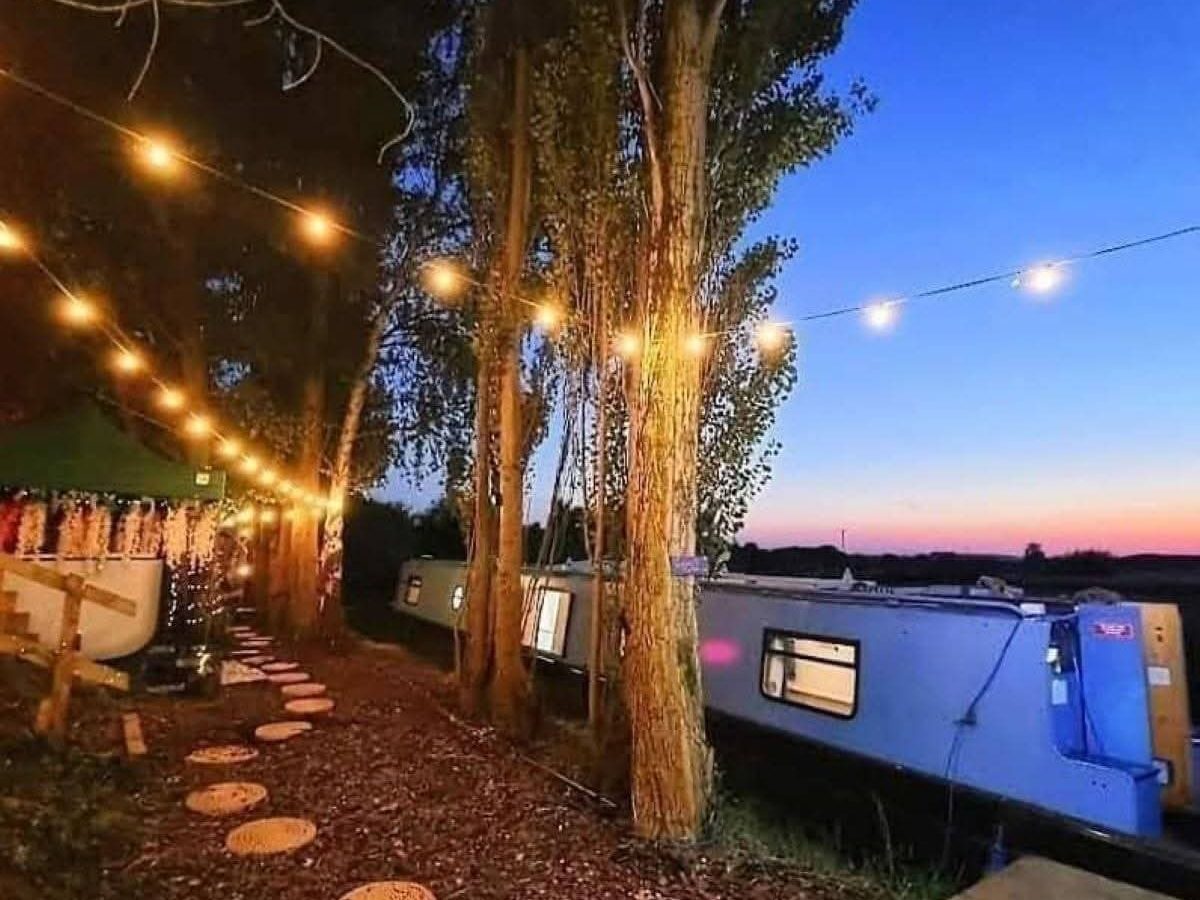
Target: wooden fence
x,y
66,663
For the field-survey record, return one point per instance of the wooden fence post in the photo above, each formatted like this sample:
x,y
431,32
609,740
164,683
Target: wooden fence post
x,y
52,713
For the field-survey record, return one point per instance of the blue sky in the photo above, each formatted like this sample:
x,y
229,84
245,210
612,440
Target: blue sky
x,y
1006,134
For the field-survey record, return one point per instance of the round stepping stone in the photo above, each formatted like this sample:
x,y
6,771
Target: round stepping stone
x,y
266,836
288,677
304,689
312,706
390,890
280,666
274,732
226,799
222,754
256,660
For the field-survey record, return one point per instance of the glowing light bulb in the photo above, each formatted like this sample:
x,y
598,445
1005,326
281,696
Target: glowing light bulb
x,y
249,465
443,279
197,426
127,362
247,515
318,228
548,317
76,311
286,488
268,517
267,477
245,570
696,344
229,448
10,240
881,316
1041,279
159,156
771,337
628,345
170,398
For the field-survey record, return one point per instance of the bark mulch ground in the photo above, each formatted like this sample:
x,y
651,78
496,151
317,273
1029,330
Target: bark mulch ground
x,y
399,789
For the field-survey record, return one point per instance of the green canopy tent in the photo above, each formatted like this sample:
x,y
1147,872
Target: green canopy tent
x,y
84,450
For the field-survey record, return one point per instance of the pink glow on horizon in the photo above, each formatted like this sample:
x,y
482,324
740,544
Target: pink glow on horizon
x,y
719,652
1120,531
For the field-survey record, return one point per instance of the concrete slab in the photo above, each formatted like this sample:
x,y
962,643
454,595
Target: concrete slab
x,y
1033,877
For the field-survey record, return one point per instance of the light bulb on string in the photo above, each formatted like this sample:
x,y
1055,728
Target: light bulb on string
x,y
229,448
548,317
881,316
169,398
628,345
268,516
158,156
771,337
318,228
197,425
696,345
244,570
267,477
249,465
443,279
1041,279
76,311
10,240
127,361
286,488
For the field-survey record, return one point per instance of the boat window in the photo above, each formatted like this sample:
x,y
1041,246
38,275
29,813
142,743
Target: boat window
x,y
545,627
412,593
815,672
456,598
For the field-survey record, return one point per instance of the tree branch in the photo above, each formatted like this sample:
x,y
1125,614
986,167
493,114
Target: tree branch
x,y
648,100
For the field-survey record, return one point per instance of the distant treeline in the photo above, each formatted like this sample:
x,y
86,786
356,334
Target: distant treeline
x,y
1145,575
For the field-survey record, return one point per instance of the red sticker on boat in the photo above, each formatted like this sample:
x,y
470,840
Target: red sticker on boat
x,y
1120,630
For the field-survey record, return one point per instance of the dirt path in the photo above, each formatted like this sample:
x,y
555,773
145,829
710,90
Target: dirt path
x,y
401,790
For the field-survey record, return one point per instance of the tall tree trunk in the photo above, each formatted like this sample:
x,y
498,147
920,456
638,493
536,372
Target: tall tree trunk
x,y
480,636
510,685
303,594
671,763
599,606
339,482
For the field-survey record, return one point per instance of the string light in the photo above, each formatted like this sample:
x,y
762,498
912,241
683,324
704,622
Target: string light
x,y
197,426
628,345
244,570
286,488
267,477
229,448
249,465
771,337
443,279
158,156
170,398
882,315
10,240
548,316
127,362
317,227
268,517
696,344
247,515
1041,279
75,311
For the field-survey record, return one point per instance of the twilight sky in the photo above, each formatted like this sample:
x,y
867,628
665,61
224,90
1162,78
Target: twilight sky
x,y
1006,134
